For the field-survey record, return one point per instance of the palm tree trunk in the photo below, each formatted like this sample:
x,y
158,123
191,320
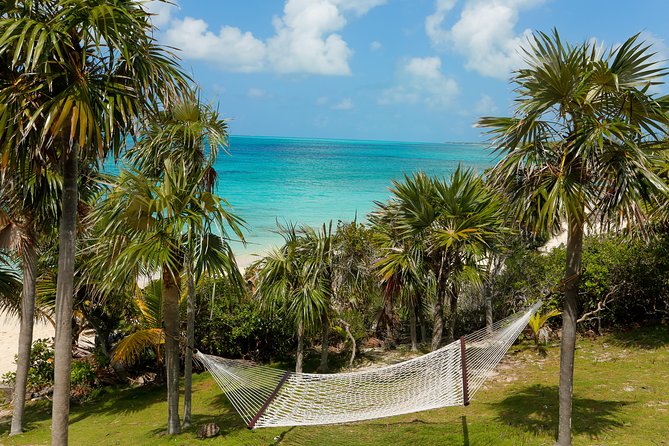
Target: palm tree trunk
x,y
438,316
412,327
171,325
25,335
325,342
438,327
423,326
453,312
190,345
569,317
64,296
487,292
299,356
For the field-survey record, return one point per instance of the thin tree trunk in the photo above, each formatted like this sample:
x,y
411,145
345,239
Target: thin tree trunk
x,y
26,333
412,328
171,327
438,316
299,356
438,320
487,293
64,296
423,328
347,328
453,312
325,342
569,317
190,345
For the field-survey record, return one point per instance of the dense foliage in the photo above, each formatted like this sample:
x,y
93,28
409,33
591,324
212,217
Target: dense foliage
x,y
440,258
624,279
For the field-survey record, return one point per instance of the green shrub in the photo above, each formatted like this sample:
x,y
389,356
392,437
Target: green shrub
x,y
627,278
83,378
242,332
40,373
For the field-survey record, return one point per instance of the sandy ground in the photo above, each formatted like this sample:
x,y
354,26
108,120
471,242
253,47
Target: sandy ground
x,y
9,340
9,327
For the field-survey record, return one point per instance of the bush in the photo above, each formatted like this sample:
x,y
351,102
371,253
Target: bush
x,y
242,332
83,378
627,278
40,373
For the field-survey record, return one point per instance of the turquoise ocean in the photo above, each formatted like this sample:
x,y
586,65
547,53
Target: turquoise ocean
x,y
312,181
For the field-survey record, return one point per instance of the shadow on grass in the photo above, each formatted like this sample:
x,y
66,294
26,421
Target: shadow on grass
x,y
648,337
39,411
535,410
132,401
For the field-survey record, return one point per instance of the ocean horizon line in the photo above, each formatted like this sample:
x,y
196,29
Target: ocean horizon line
x,y
356,140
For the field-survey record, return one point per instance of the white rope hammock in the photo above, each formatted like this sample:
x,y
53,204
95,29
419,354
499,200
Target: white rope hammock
x,y
450,376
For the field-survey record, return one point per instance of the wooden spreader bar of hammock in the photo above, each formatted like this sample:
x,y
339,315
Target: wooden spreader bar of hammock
x,y
269,400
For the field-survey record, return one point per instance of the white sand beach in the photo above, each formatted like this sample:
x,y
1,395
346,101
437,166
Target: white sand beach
x,y
9,339
9,326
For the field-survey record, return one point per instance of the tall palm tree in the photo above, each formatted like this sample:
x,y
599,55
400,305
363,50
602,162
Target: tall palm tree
x,y
579,150
147,221
75,75
289,282
28,207
191,134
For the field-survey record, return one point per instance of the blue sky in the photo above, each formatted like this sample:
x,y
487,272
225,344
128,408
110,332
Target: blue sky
x,y
403,70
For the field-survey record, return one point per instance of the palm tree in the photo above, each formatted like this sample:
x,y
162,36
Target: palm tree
x,y
75,75
28,205
578,151
402,267
191,134
148,221
289,282
454,223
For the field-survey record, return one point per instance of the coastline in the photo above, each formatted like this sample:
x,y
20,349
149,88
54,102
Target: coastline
x,y
10,325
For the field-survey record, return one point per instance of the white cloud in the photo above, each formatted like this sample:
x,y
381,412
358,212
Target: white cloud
x,y
485,105
230,48
161,11
306,39
256,93
484,33
422,82
375,46
360,7
344,104
306,42
658,46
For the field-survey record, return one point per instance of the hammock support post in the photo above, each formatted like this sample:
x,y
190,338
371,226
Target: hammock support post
x,y
463,363
269,400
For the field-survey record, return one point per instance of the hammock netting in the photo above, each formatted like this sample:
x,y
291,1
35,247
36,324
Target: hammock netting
x,y
268,397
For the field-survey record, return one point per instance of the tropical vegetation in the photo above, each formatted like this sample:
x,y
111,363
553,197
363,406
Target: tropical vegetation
x,y
142,259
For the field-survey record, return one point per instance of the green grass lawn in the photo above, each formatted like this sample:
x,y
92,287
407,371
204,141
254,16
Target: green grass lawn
x,y
621,397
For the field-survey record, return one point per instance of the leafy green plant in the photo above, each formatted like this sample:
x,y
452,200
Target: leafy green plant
x,y
537,323
83,378
40,373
